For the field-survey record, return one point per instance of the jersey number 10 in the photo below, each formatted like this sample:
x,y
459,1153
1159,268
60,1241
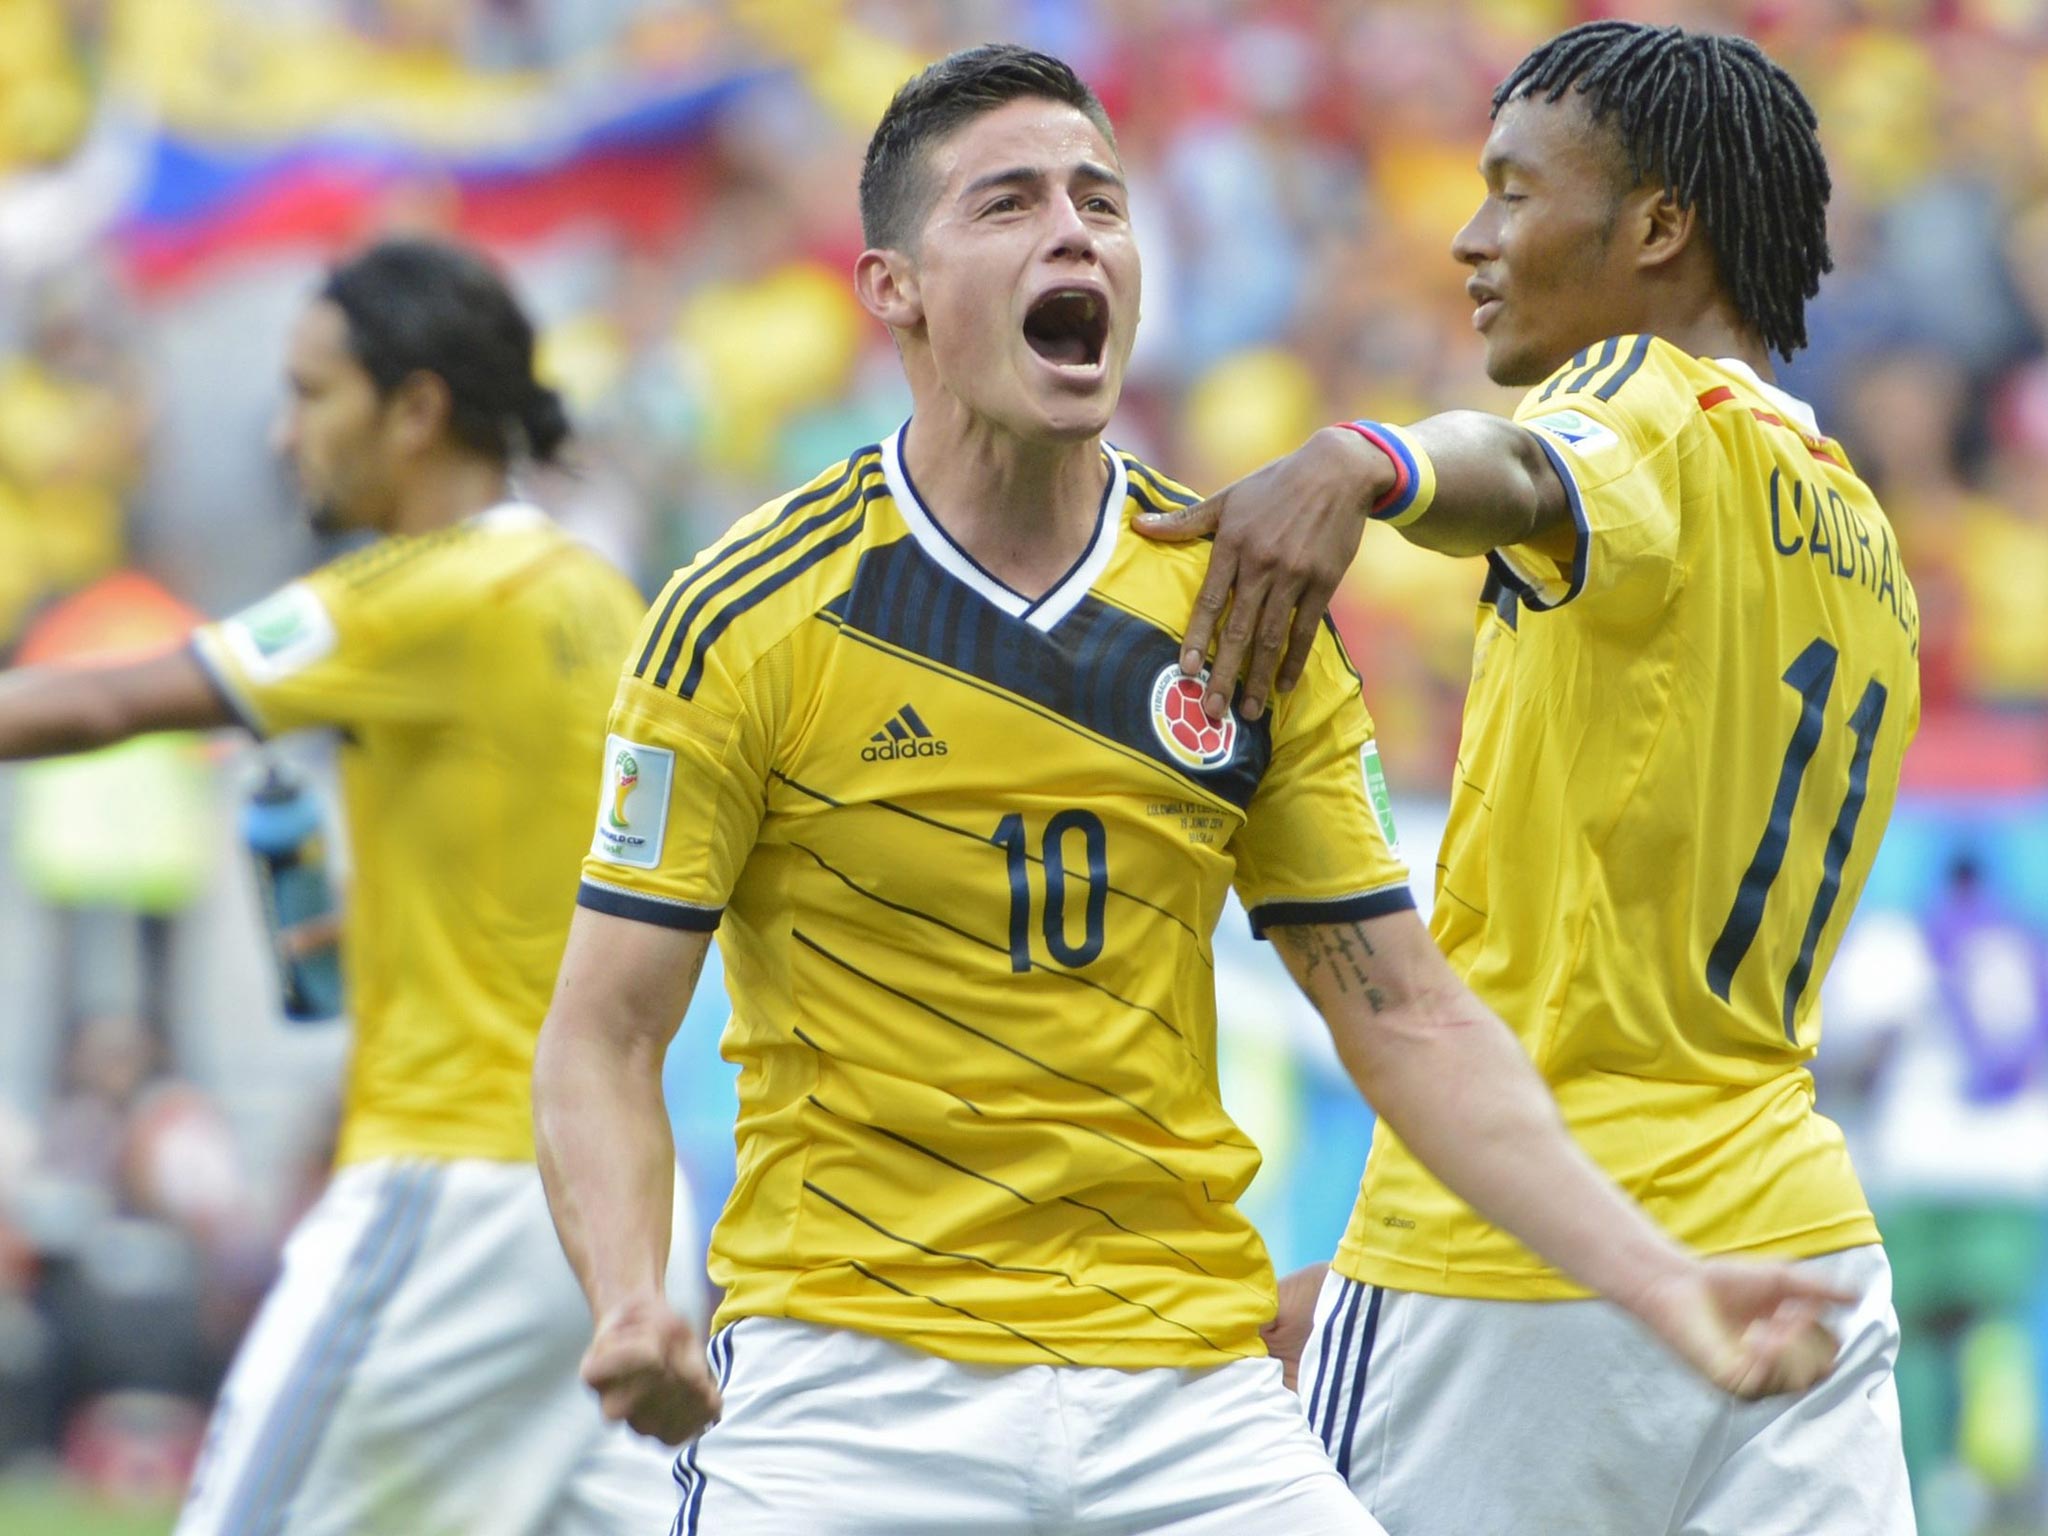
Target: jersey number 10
x,y
1053,854
1812,677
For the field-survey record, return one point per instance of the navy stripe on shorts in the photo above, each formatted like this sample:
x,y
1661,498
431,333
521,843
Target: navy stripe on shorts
x,y
688,1476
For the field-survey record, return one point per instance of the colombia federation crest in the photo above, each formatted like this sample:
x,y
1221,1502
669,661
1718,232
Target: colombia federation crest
x,y
1184,728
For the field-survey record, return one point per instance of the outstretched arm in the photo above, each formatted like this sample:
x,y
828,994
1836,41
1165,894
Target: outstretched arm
x,y
1286,534
607,1158
51,710
1452,1082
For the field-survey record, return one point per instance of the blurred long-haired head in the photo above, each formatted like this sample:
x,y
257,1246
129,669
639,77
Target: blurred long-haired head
x,y
411,348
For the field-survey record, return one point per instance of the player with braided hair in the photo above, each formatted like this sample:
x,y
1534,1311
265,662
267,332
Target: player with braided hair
x,y
1694,679
1756,176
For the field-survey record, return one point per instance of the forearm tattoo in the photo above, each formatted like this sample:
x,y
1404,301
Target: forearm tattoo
x,y
1338,953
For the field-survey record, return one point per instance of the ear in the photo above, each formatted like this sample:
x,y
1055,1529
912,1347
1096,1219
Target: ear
x,y
419,410
886,284
1667,230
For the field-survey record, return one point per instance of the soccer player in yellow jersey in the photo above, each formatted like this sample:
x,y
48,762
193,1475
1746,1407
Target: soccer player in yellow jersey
x,y
1694,680
413,1371
914,741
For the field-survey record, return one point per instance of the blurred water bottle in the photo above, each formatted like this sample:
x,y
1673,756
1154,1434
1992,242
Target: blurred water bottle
x,y
284,829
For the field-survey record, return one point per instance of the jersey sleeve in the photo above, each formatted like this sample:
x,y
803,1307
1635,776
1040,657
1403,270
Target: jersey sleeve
x,y
1610,422
326,650
684,788
1317,845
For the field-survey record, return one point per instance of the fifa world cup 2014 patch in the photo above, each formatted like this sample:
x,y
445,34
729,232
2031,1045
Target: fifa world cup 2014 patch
x,y
632,817
285,633
1575,430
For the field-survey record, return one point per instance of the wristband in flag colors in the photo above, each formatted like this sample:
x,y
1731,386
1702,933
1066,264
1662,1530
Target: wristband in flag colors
x,y
1414,485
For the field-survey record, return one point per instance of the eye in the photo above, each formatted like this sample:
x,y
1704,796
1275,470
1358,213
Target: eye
x,y
1102,205
1513,197
1009,202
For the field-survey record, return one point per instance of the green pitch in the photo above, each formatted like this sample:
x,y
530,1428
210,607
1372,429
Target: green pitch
x,y
40,1508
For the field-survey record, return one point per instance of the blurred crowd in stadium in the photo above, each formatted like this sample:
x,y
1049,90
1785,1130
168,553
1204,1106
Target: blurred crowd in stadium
x,y
671,181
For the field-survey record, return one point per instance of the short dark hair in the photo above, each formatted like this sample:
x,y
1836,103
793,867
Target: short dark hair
x,y
418,306
895,185
1726,131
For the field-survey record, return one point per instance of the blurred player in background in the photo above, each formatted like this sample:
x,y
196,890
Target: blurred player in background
x,y
414,1369
1695,678
914,740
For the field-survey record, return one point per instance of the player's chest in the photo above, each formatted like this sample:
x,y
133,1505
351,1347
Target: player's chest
x,y
1044,750
900,694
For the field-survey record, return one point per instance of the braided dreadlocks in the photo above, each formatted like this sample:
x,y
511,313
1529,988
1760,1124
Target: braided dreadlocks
x,y
1725,131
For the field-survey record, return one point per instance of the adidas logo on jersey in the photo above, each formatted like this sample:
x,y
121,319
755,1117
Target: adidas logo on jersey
x,y
904,735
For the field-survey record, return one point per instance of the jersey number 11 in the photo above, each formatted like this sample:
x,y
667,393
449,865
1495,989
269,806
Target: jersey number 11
x,y
1812,677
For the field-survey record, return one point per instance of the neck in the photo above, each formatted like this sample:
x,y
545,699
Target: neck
x,y
1708,326
1726,341
1024,510
444,491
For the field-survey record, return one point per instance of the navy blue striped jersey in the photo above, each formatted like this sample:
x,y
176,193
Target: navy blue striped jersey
x,y
965,852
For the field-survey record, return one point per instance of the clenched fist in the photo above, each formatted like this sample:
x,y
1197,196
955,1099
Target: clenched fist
x,y
1287,1335
648,1368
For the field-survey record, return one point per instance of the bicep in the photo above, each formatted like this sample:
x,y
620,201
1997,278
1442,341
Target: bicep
x,y
171,692
1495,486
626,981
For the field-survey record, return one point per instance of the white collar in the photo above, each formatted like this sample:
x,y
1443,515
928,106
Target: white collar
x,y
1040,613
1794,407
508,515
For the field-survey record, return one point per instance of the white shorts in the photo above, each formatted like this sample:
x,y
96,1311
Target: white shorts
x,y
829,1432
1456,1417
413,1373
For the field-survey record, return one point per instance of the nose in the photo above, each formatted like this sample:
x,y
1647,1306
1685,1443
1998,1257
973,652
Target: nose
x,y
1476,242
284,431
1070,235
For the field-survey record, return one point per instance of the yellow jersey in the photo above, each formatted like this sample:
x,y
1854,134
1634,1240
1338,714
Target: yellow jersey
x,y
468,671
966,852
1680,749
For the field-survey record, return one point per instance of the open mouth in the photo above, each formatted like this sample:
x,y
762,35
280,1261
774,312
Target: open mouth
x,y
1068,327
